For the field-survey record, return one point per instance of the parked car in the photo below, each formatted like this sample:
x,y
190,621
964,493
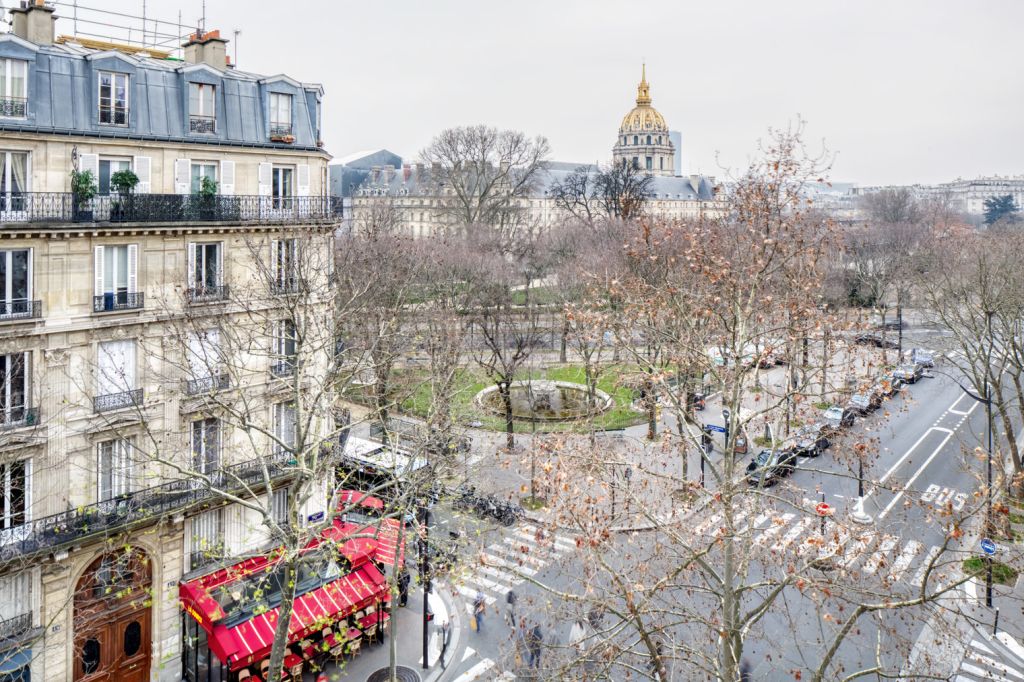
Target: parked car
x,y
695,401
739,444
838,417
863,402
888,385
810,441
770,465
909,372
922,357
875,340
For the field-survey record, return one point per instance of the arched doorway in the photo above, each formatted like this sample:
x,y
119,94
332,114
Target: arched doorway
x,y
112,619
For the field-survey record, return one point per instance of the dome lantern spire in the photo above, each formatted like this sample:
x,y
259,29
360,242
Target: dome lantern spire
x,y
643,91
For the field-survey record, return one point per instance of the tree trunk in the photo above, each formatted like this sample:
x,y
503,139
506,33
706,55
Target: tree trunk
x,y
505,390
563,351
824,365
885,358
284,616
652,409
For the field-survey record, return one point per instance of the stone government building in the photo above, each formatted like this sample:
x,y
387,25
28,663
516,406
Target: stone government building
x,y
417,191
89,295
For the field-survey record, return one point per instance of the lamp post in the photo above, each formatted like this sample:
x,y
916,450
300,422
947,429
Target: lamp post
x,y
858,515
725,421
425,579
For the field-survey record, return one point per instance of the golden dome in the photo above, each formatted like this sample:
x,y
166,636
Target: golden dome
x,y
643,118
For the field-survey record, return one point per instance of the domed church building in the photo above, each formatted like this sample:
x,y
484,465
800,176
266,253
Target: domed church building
x,y
643,136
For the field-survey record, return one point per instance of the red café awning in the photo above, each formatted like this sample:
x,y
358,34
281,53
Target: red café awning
x,y
251,640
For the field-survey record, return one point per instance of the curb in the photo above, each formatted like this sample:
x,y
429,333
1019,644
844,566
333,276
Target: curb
x,y
443,591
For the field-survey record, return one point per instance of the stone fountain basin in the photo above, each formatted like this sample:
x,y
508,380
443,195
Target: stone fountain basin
x,y
544,401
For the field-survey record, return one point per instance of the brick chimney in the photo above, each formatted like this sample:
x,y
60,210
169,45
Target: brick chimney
x,y
207,48
34,22
406,172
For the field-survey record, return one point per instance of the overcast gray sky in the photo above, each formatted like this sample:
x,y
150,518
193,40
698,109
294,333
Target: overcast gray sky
x,y
901,90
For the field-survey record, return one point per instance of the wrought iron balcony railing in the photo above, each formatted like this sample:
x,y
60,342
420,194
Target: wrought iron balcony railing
x,y
11,628
20,309
217,382
144,506
286,285
114,116
280,129
202,124
13,107
117,401
17,417
122,300
62,207
282,369
208,294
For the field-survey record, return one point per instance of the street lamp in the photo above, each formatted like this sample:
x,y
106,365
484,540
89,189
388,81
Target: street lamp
x,y
858,515
725,420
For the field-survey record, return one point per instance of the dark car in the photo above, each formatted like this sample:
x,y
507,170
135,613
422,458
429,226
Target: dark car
x,y
836,418
888,385
770,465
695,401
922,357
875,340
909,372
810,441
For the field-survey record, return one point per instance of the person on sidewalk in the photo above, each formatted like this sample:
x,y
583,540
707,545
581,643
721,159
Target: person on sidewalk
x,y
511,600
403,587
533,644
478,610
445,637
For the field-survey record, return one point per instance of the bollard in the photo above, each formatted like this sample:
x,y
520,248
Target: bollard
x,y
995,624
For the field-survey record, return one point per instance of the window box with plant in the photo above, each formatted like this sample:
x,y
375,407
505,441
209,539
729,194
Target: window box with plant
x,y
83,191
123,182
207,198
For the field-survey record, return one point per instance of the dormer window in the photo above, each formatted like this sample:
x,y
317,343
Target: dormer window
x,y
113,98
202,114
280,115
13,88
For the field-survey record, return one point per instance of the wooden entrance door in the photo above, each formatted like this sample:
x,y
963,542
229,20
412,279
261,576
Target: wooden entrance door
x,y
112,620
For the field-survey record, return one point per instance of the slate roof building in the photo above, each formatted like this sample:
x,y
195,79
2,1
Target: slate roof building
x,y
230,174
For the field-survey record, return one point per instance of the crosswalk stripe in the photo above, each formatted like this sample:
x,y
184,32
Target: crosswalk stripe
x,y
983,674
466,592
980,646
737,522
549,541
877,560
795,532
902,561
500,574
708,524
932,553
513,565
994,665
774,528
495,587
854,552
476,671
528,557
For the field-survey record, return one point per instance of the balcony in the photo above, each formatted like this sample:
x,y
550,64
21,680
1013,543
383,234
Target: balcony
x,y
202,124
60,207
18,417
13,107
144,506
217,382
210,294
117,401
118,301
20,309
281,132
283,369
13,628
285,285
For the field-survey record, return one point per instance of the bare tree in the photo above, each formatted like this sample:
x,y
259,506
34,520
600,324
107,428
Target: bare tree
x,y
893,206
619,191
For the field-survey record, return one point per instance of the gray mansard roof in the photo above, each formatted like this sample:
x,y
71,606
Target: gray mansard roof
x,y
63,97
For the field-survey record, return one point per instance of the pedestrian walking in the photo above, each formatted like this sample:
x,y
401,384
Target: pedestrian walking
x,y
446,638
576,636
533,644
510,600
478,611
403,587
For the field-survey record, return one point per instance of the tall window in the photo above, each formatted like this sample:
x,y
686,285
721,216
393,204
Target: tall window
x,y
284,348
14,387
280,114
206,445
282,187
15,479
200,170
115,468
115,373
284,261
13,88
648,139
636,162
205,270
113,98
284,424
205,361
15,283
279,507
13,181
636,140
201,108
207,538
661,163
650,163
107,168
116,281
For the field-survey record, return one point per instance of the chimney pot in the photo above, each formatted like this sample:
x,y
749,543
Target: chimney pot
x,y
207,48
34,21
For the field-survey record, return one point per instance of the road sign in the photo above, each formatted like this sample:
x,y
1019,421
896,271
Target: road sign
x,y
823,509
716,429
988,546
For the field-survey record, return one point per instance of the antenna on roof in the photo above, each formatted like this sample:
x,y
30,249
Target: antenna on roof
x,y
203,24
237,33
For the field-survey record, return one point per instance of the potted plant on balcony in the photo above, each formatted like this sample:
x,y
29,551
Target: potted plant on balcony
x,y
83,189
123,182
207,196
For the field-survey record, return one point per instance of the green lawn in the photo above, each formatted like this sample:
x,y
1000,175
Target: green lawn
x,y
1001,573
415,385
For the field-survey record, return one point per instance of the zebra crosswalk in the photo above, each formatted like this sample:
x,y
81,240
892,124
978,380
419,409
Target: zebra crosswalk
x,y
788,531
983,662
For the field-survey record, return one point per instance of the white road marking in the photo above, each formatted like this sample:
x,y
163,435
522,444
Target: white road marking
x,y
949,434
513,564
793,534
902,562
476,671
928,558
467,592
854,552
878,558
774,528
995,665
983,674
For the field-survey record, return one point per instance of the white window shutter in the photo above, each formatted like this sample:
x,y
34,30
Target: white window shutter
x,y
275,263
182,173
98,271
227,177
133,268
143,166
90,162
302,185
191,258
265,177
